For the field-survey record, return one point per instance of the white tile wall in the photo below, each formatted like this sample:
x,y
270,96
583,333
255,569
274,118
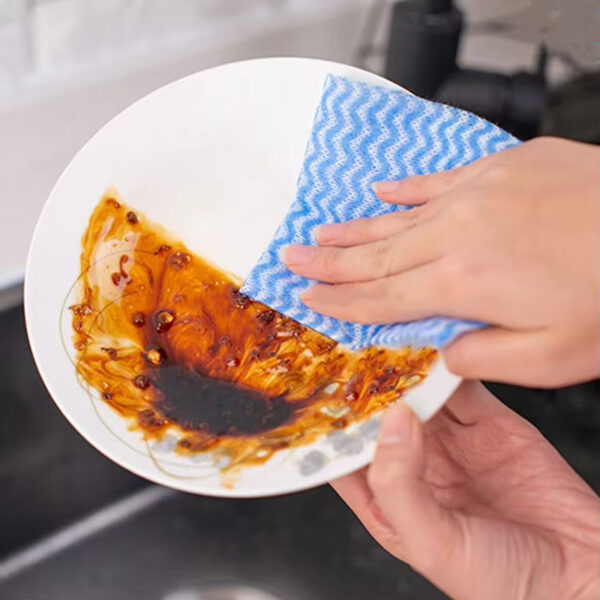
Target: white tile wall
x,y
14,55
42,132
68,34
67,66
43,42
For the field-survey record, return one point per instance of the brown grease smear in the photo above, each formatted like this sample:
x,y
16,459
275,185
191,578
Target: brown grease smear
x,y
170,343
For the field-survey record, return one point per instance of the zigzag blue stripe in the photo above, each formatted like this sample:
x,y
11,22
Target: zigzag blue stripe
x,y
319,168
443,135
313,150
360,178
347,183
445,120
410,134
362,134
385,146
351,114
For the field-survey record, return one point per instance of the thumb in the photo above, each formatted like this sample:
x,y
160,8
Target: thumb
x,y
421,526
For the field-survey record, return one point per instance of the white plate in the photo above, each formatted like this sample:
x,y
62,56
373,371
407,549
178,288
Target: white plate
x,y
225,147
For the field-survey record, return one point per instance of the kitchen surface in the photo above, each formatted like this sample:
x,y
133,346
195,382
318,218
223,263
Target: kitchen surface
x,y
74,525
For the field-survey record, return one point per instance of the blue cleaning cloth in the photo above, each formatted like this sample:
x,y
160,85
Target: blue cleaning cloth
x,y
363,134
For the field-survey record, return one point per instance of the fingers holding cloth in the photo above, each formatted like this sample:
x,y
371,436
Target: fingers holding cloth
x,y
492,243
361,134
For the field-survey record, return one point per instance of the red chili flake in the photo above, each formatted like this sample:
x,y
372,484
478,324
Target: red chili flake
x,y
122,261
162,248
163,320
155,355
81,310
240,300
116,278
179,260
131,217
138,319
278,445
225,341
106,395
266,317
149,419
110,351
142,382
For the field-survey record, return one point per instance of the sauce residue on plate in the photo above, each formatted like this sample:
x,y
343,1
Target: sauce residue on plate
x,y
169,343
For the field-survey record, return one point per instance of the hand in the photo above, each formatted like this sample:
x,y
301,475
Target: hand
x,y
480,504
512,240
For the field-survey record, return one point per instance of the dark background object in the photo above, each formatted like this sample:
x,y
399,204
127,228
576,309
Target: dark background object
x,y
423,45
421,56
305,546
573,109
49,475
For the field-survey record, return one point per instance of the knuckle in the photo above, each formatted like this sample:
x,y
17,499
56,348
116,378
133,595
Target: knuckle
x,y
449,178
451,277
360,228
378,290
545,355
469,267
544,377
549,357
450,534
416,185
410,215
331,262
498,173
366,312
382,475
461,358
456,359
452,267
460,214
544,141
382,257
533,372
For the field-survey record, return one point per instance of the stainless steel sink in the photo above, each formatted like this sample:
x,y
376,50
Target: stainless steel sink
x,y
74,526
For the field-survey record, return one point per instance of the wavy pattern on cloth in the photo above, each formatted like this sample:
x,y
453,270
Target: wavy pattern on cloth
x,y
363,134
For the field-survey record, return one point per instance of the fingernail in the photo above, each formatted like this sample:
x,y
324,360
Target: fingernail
x,y
323,234
396,427
307,296
384,187
296,256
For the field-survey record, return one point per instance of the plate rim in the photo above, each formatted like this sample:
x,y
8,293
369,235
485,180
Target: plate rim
x,y
423,408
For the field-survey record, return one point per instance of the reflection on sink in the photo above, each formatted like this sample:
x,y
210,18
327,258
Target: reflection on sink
x,y
224,593
49,475
76,526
